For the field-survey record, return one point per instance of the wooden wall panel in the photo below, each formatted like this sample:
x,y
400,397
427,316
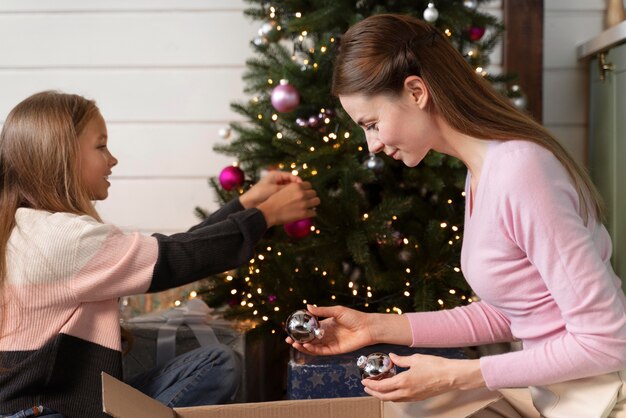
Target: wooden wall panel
x,y
136,95
121,39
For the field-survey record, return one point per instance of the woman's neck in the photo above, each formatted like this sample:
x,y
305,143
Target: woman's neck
x,y
470,150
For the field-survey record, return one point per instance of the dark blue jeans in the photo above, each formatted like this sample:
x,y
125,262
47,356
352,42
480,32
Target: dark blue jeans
x,y
205,376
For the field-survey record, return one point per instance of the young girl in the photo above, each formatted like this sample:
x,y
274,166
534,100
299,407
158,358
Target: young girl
x,y
62,269
534,249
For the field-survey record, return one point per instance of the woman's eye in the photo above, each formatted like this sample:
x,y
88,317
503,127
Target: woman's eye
x,y
373,126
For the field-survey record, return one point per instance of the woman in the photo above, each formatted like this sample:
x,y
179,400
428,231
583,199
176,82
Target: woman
x,y
534,249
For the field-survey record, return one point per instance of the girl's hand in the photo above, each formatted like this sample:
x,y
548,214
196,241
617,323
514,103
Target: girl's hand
x,y
426,376
295,201
345,330
269,184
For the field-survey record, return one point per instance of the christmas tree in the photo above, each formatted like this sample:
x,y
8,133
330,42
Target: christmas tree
x,y
387,237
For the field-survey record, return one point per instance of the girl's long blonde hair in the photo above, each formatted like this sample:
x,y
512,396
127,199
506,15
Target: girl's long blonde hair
x,y
378,53
39,161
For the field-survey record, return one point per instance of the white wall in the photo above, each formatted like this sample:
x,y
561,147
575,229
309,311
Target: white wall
x,y
164,73
567,24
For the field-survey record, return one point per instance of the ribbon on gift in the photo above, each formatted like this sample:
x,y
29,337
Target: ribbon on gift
x,y
194,315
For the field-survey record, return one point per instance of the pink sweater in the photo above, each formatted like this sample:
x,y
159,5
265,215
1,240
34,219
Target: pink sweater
x,y
542,277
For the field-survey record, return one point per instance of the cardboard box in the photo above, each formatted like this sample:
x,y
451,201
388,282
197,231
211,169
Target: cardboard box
x,y
122,401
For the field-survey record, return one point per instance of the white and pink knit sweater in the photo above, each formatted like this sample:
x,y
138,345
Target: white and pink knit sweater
x,y
61,327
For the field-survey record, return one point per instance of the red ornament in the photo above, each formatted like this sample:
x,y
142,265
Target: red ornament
x,y
299,229
285,97
476,32
231,177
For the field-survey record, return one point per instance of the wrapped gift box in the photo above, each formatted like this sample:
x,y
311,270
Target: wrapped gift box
x,y
159,337
316,377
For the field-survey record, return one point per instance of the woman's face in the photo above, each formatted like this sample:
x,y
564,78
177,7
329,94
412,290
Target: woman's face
x,y
95,158
400,126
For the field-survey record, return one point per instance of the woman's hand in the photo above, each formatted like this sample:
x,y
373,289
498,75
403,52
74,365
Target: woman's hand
x,y
426,376
269,184
345,330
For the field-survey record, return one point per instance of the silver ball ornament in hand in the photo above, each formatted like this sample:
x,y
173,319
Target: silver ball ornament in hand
x,y
376,366
303,327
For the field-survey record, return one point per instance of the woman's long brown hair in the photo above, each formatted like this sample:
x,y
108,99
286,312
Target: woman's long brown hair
x,y
378,53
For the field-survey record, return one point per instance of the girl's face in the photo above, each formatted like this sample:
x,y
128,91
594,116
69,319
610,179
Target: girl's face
x,y
401,127
95,159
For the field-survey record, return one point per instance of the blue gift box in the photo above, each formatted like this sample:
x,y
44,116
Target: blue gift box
x,y
315,377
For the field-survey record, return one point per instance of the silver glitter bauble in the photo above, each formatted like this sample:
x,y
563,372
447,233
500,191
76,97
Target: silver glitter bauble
x,y
374,163
431,14
303,326
376,366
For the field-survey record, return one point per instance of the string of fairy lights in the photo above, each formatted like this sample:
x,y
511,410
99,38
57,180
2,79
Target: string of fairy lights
x,y
253,296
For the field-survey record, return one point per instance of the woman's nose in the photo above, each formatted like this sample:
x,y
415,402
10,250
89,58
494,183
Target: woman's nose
x,y
374,145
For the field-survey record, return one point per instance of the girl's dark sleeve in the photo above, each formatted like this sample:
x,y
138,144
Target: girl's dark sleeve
x,y
219,215
207,248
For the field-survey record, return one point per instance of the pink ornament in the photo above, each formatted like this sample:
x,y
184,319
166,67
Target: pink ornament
x,y
285,97
231,177
476,32
299,229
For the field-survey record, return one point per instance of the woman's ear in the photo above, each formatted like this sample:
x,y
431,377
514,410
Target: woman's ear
x,y
417,89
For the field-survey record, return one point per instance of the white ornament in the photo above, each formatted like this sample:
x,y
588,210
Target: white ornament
x,y
260,41
470,4
518,98
224,133
520,102
431,14
267,28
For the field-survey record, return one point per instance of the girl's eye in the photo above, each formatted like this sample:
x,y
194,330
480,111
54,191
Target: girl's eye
x,y
373,126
